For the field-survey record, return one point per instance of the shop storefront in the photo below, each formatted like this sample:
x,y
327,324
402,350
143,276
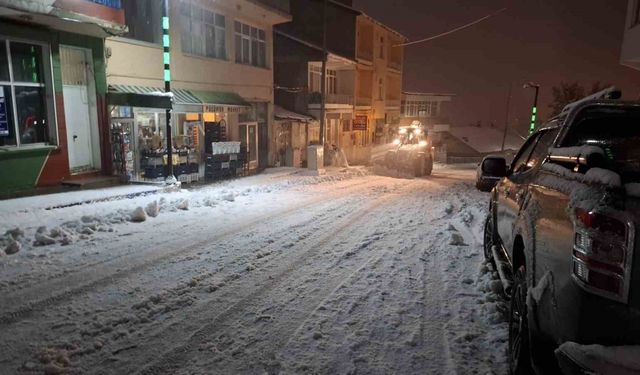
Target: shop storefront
x,y
52,102
138,130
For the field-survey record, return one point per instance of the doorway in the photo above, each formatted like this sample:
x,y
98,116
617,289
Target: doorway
x,y
80,109
249,140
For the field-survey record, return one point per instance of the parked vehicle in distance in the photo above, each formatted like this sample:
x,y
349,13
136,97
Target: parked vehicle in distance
x,y
488,171
561,232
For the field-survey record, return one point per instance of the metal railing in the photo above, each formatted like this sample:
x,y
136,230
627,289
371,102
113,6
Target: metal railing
x,y
392,103
281,5
315,98
364,102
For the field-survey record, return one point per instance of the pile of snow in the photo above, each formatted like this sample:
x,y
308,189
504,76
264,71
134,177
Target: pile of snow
x,y
622,360
67,218
593,175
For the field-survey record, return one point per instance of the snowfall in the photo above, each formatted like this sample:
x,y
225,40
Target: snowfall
x,y
278,273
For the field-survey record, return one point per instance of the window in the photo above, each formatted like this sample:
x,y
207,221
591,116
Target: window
x,y
542,148
380,89
382,47
203,33
636,13
315,79
251,45
520,163
143,18
23,104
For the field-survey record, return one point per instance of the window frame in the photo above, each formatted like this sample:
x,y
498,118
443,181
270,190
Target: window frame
x,y
635,21
140,41
202,35
47,85
260,39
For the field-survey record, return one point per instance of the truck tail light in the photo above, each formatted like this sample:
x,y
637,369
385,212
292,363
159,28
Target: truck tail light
x,y
601,253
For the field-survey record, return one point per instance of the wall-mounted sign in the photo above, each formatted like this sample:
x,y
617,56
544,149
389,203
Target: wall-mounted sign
x,y
360,122
4,120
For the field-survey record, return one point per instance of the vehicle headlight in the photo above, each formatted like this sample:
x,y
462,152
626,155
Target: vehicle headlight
x,y
402,131
422,143
396,142
417,131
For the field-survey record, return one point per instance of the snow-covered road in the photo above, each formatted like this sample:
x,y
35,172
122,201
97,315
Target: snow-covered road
x,y
348,273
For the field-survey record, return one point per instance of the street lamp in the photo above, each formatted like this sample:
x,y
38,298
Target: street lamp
x,y
534,110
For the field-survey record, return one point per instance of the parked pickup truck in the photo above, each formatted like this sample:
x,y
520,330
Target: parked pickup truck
x,y
561,232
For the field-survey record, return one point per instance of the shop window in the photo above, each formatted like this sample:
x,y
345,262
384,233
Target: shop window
x,y
143,18
23,95
250,45
203,32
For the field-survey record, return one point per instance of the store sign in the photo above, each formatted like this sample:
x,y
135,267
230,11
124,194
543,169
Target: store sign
x,y
361,122
4,121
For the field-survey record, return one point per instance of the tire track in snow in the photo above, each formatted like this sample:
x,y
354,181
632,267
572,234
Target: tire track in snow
x,y
126,265
178,356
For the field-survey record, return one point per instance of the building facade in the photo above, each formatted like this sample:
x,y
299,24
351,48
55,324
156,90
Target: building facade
x,y
380,57
53,120
222,81
630,54
431,110
298,73
363,73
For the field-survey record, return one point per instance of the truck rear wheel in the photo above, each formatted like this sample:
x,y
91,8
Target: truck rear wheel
x,y
428,166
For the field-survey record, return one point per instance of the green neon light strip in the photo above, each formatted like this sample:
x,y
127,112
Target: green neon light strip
x,y
165,40
167,75
533,118
535,110
166,58
165,23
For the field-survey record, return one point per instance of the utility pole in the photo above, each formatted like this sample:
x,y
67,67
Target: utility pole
x,y
534,110
323,84
506,120
166,57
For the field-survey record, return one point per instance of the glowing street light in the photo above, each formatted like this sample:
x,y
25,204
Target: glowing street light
x,y
534,110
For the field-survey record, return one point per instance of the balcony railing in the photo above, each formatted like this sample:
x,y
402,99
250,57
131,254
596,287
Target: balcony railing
x,y
394,65
365,54
392,103
345,99
281,5
363,102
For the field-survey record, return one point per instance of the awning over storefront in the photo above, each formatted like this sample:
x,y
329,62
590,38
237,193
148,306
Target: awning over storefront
x,y
183,100
282,114
217,101
138,96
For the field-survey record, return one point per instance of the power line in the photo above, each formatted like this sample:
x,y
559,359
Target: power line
x,y
452,31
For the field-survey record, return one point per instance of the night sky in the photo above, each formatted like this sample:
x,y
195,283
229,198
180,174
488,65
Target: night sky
x,y
545,41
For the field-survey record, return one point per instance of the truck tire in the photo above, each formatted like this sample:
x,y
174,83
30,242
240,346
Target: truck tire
x,y
489,239
519,354
418,167
428,166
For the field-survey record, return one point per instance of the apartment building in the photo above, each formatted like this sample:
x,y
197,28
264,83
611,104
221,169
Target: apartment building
x,y
298,72
222,80
380,57
53,123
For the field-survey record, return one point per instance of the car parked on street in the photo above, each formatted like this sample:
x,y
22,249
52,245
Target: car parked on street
x,y
561,233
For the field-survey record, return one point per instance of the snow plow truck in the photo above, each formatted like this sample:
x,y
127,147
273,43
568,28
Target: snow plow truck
x,y
412,152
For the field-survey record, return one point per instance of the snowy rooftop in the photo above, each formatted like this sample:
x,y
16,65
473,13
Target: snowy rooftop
x,y
486,140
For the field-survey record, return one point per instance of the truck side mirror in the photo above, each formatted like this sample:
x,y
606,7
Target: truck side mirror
x,y
490,172
495,167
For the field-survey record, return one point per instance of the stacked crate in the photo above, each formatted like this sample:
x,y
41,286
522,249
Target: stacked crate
x,y
226,165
